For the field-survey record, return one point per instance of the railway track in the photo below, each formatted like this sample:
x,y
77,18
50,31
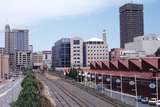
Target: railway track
x,y
78,100
66,97
60,100
58,93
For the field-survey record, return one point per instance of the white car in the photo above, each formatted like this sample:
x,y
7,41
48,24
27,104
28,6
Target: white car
x,y
158,103
152,101
144,100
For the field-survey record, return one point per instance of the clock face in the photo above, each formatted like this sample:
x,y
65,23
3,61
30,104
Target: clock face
x,y
118,80
93,76
108,79
99,77
131,83
152,85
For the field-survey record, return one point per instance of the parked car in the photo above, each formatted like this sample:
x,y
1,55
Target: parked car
x,y
139,98
152,101
144,100
158,103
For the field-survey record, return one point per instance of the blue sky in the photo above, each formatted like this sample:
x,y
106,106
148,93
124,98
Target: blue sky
x,y
86,19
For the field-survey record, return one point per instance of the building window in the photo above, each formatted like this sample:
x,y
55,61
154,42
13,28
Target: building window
x,y
76,42
46,57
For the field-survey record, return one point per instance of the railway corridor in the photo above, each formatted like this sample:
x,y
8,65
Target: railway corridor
x,y
67,95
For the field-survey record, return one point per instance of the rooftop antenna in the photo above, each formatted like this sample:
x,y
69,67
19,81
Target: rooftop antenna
x,y
104,35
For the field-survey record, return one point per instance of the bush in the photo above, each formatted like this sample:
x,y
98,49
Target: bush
x,y
73,73
31,96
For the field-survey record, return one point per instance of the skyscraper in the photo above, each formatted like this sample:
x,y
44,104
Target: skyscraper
x,y
15,40
131,22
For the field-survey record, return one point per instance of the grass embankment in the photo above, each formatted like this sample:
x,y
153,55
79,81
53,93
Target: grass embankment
x,y
31,94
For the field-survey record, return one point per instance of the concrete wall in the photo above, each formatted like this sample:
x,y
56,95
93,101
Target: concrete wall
x,y
0,66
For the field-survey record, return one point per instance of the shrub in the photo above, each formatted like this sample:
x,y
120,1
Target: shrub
x,y
30,95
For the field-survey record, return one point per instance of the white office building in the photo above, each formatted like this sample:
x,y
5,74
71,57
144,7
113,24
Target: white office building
x,y
76,51
148,44
95,50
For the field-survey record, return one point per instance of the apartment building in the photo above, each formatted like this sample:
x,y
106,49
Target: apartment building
x,y
23,60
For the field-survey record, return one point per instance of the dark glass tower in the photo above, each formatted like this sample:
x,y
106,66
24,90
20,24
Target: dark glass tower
x,y
131,22
61,53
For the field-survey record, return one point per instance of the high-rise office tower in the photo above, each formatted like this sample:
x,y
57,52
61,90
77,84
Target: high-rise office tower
x,y
15,40
131,22
7,38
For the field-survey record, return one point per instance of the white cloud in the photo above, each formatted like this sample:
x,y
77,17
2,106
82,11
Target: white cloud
x,y
24,12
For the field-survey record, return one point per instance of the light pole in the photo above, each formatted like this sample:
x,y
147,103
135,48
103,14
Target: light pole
x,y
102,82
135,81
95,80
121,88
111,85
80,75
157,88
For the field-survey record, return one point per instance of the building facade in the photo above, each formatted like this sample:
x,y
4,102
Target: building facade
x,y
149,44
4,66
30,48
95,50
121,53
2,50
23,60
131,22
16,41
61,53
47,58
76,51
37,59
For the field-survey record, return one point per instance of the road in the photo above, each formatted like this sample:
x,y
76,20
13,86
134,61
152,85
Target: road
x,y
67,95
9,92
